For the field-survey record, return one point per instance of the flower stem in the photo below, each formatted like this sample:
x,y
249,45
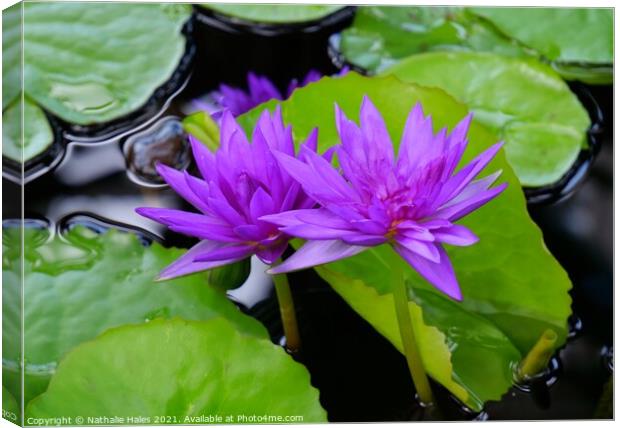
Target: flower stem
x,y
538,358
287,312
407,335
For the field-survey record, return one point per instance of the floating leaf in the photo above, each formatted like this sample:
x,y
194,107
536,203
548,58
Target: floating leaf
x,y
12,309
465,352
90,64
10,408
37,137
181,371
522,100
38,134
84,64
578,41
513,288
592,74
382,35
578,36
274,13
11,54
82,283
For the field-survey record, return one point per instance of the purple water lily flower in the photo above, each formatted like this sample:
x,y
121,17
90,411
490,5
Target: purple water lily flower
x,y
260,90
410,201
238,101
312,76
240,183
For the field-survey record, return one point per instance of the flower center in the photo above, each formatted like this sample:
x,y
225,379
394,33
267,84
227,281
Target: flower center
x,y
392,230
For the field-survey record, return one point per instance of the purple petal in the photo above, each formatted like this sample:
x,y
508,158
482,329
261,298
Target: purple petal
x,y
197,225
261,89
277,136
185,264
271,254
455,235
346,212
425,249
231,133
318,217
249,232
435,223
225,252
456,183
196,185
312,224
413,230
312,184
312,141
461,209
416,143
456,144
329,175
261,204
291,198
343,71
352,138
365,240
322,217
234,100
315,253
369,227
205,105
375,131
329,154
312,76
222,208
176,180
441,274
310,231
377,212
459,133
285,218
475,187
205,159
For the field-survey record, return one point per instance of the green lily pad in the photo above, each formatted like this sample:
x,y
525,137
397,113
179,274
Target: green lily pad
x,y
577,41
513,288
81,283
87,64
382,35
274,13
11,53
11,311
592,74
578,36
10,408
91,64
522,100
451,337
201,369
38,134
